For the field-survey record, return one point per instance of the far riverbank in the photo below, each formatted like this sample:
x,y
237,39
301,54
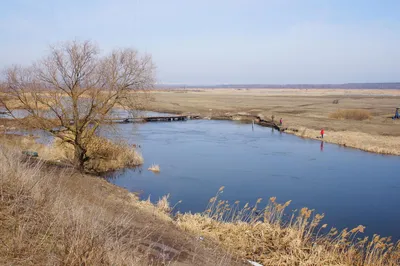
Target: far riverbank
x,y
304,112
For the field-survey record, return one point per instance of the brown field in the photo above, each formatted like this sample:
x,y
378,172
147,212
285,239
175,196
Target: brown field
x,y
307,111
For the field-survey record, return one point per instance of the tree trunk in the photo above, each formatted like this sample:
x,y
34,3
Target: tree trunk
x,y
80,155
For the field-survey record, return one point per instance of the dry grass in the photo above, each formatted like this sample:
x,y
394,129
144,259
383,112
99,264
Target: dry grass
x,y
16,104
351,114
154,168
42,224
52,216
163,204
264,236
104,154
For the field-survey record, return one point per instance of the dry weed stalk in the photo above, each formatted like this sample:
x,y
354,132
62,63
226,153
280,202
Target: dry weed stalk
x,y
163,204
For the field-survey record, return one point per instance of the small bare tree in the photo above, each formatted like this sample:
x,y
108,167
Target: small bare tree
x,y
73,90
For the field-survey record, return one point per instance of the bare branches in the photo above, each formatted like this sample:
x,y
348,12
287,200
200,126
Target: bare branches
x,y
74,89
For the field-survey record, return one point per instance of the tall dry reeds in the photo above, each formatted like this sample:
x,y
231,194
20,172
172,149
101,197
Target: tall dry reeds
x,y
351,114
264,236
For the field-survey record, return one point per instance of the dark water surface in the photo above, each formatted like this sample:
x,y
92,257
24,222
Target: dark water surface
x,y
197,157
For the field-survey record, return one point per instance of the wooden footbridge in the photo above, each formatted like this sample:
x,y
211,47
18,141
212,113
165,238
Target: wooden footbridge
x,y
152,119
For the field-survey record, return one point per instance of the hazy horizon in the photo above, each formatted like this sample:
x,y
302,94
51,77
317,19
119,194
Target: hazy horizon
x,y
220,42
381,85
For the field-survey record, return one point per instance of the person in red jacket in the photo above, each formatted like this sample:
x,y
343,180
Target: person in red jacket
x,y
322,133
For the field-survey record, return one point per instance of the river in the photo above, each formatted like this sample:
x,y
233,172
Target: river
x,y
197,157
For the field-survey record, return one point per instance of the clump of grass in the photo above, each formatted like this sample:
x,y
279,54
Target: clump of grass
x,y
154,168
104,154
163,204
351,114
267,237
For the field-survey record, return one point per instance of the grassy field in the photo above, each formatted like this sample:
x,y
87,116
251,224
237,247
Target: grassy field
x,y
306,111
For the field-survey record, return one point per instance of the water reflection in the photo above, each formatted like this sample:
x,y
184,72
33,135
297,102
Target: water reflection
x,y
112,175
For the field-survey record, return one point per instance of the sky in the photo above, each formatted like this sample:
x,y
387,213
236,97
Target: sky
x,y
220,41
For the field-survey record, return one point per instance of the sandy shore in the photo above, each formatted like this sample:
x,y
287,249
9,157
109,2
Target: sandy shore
x,y
305,110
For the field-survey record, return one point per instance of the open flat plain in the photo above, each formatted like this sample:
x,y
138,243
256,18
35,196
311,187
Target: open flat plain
x,y
304,111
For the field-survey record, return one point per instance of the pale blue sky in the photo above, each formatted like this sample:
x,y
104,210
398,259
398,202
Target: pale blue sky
x,y
220,41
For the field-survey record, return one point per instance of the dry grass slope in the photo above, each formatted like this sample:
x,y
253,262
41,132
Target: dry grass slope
x,y
53,216
42,224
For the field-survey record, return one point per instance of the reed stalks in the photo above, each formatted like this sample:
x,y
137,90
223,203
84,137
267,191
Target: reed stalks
x,y
266,235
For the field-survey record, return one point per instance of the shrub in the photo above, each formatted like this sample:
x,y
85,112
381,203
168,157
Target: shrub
x,y
351,114
104,155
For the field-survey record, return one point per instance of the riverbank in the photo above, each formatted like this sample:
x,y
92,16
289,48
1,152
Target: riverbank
x,y
304,112
51,214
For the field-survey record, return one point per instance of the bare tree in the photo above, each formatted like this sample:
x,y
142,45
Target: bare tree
x,y
73,90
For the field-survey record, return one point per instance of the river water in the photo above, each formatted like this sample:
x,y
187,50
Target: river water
x,y
197,157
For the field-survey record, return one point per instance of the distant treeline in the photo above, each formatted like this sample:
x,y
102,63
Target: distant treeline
x,y
393,86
